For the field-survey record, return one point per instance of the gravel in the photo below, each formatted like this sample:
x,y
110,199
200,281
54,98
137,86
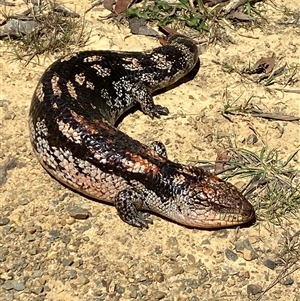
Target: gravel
x,y
78,212
254,289
4,221
269,264
231,255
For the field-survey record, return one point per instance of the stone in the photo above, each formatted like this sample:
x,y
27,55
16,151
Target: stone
x,y
254,289
231,255
270,264
78,212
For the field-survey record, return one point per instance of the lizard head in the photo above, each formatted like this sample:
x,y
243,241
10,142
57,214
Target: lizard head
x,y
205,201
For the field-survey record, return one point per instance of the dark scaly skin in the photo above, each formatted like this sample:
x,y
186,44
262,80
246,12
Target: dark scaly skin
x,y
73,111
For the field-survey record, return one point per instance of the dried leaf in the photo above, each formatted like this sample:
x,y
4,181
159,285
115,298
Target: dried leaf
x,y
240,16
67,12
97,3
14,28
7,3
274,116
265,64
233,4
211,3
109,4
138,26
168,31
122,5
222,158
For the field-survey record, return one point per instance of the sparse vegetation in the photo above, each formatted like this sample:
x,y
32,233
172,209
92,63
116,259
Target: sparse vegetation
x,y
272,182
232,107
54,31
180,14
288,259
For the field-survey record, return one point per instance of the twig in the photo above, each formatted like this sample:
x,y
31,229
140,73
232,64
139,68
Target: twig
x,y
288,90
99,2
234,4
281,275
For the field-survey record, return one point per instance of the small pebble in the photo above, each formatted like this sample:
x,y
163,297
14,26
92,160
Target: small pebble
x,y
246,249
32,251
270,264
81,280
9,115
30,237
37,273
3,253
119,289
233,271
158,295
287,281
73,274
249,255
18,286
176,271
54,234
4,221
8,285
52,255
36,289
78,212
253,289
231,255
24,202
67,261
70,221
31,230
252,139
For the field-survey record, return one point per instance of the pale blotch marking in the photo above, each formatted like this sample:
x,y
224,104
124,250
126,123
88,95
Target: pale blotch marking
x,y
68,57
101,71
104,94
39,92
137,164
133,64
39,129
161,61
71,90
90,85
55,87
80,78
69,132
179,179
93,58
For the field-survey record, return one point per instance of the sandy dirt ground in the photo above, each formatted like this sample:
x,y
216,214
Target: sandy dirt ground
x,y
47,255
